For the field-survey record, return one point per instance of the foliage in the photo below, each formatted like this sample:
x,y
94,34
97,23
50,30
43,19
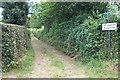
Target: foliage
x,y
64,11
33,22
15,12
99,69
75,28
37,31
28,33
26,65
14,44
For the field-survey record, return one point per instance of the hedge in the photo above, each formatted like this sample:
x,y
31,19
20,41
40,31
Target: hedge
x,y
86,39
14,44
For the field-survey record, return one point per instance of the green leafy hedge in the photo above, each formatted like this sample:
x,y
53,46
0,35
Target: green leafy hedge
x,y
14,43
84,38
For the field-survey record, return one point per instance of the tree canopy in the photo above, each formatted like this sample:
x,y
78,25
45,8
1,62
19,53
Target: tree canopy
x,y
48,12
15,12
75,28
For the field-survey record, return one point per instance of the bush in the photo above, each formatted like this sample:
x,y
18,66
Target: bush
x,y
36,31
28,33
84,38
14,44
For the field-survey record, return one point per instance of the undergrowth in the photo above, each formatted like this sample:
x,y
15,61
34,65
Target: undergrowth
x,y
98,69
25,66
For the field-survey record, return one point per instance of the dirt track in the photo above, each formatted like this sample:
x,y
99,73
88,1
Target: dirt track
x,y
50,63
43,68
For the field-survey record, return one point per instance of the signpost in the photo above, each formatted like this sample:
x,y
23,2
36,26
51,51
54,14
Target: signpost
x,y
108,26
106,15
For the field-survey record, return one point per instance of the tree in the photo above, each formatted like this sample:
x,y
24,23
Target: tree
x,y
49,13
15,12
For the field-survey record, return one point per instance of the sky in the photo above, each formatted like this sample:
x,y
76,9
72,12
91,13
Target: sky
x,y
37,1
1,9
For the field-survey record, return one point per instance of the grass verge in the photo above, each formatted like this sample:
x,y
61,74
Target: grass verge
x,y
26,65
98,69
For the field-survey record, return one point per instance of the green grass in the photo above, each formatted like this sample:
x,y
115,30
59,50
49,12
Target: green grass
x,y
58,75
56,64
55,61
98,69
26,65
58,67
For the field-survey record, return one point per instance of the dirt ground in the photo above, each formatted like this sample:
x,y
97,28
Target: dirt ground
x,y
42,68
51,63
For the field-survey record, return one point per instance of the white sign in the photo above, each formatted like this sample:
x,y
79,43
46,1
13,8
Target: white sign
x,y
109,26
